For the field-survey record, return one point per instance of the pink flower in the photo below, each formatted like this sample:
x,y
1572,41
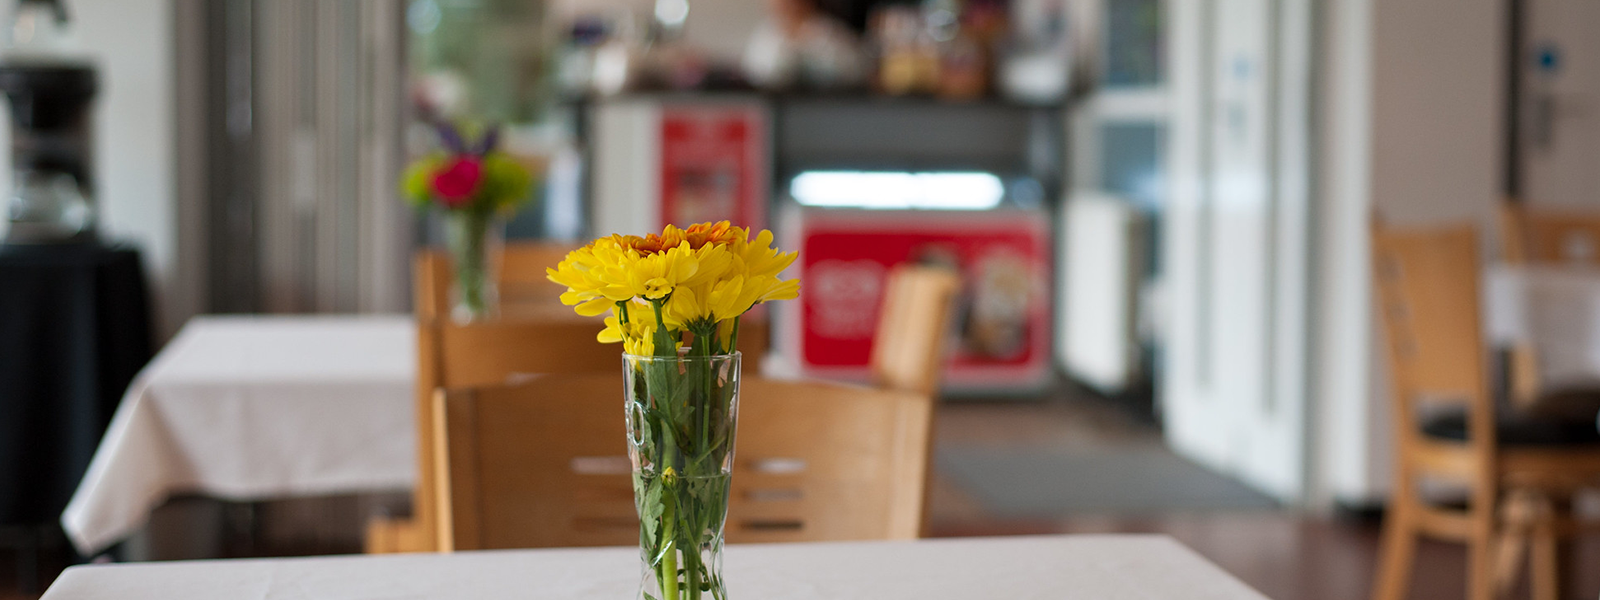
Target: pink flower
x,y
459,180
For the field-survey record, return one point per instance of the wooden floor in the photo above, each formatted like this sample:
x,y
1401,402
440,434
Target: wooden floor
x,y
1288,557
1284,555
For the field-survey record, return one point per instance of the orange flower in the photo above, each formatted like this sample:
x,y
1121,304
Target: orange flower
x,y
721,232
698,235
652,243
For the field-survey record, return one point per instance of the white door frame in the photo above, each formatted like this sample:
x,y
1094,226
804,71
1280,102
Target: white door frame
x,y
1237,239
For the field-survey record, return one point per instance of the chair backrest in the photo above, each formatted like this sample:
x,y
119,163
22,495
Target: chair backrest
x,y
541,337
520,278
908,348
826,461
522,275
1546,235
544,463
530,308
1428,300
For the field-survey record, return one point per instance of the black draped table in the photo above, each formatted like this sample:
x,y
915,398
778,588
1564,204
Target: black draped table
x,y
74,330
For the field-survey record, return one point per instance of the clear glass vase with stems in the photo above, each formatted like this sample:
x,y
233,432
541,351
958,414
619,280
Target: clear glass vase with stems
x,y
475,238
682,414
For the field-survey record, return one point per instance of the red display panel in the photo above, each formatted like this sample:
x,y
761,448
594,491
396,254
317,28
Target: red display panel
x,y
713,165
1002,325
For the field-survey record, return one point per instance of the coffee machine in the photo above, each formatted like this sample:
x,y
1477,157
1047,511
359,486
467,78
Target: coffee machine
x,y
50,85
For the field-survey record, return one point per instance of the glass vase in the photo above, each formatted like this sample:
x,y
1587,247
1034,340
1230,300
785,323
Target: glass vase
x,y
682,415
475,239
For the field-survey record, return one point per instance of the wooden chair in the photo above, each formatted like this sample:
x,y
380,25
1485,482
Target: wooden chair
x,y
1546,235
539,336
908,349
1427,284
535,334
544,463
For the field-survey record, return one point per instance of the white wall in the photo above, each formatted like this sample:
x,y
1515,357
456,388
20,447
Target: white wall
x,y
1437,111
1412,126
131,41
1562,167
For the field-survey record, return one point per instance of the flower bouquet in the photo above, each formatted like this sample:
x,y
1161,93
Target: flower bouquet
x,y
477,186
675,301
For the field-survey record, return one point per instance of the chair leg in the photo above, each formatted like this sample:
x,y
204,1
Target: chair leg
x,y
1513,549
1481,545
1517,516
1568,563
1397,555
1480,573
1544,558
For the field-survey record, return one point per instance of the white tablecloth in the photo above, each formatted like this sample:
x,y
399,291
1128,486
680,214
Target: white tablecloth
x,y
1078,567
252,408
1555,310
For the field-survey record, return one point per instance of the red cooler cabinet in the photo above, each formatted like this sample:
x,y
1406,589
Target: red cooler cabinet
x,y
1001,326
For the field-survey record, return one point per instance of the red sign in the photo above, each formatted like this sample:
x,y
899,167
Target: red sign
x,y
1002,324
713,161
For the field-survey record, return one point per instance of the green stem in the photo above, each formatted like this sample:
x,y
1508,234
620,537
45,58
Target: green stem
x,y
471,260
669,563
664,343
704,397
691,567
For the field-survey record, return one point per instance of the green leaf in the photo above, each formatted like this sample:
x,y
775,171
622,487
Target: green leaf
x,y
417,182
648,492
506,184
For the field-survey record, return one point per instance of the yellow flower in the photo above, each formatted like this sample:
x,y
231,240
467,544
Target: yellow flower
x,y
658,275
714,262
654,276
712,301
637,335
734,291
596,276
765,288
709,273
760,258
682,308
726,299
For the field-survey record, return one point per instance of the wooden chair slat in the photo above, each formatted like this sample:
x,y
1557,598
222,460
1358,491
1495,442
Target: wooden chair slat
x,y
908,350
814,461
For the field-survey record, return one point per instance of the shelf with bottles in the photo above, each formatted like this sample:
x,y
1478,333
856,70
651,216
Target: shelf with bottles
x,y
991,52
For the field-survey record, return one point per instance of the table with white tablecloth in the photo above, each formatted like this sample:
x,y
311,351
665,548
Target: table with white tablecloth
x,y
1552,310
252,408
1555,310
1085,566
